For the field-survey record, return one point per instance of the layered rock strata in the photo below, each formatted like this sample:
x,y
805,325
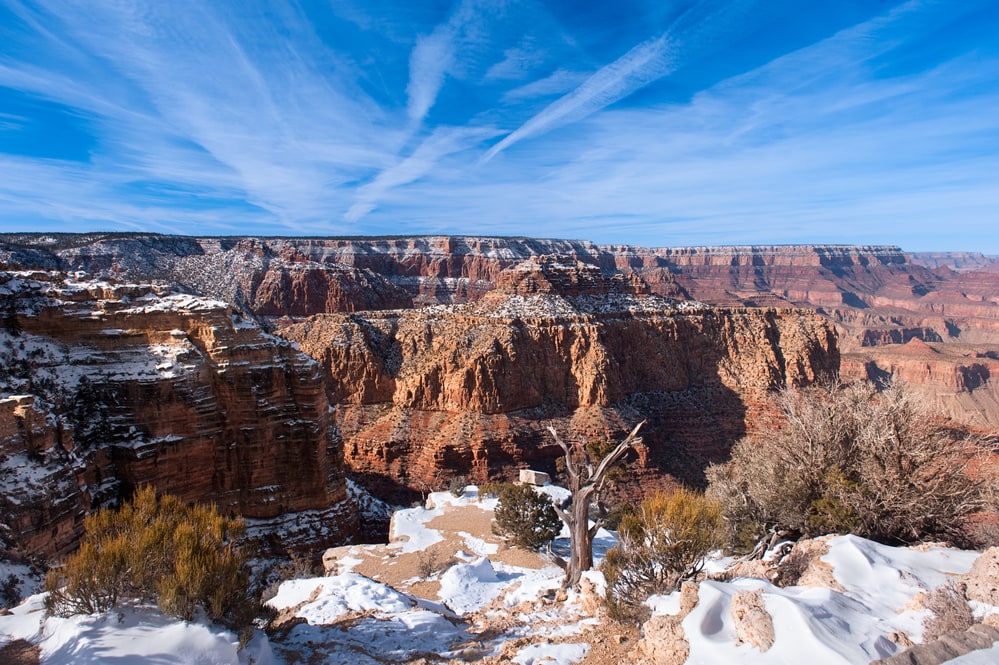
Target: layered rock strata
x,y
873,293
425,394
108,386
877,297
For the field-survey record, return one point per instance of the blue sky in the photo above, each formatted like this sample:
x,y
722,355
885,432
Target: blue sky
x,y
646,122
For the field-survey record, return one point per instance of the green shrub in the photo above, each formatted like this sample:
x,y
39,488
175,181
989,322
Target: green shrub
x,y
660,545
10,591
525,517
157,549
491,488
850,459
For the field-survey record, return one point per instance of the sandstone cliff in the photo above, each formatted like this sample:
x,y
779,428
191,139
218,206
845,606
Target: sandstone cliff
x,y
424,394
955,380
865,290
114,385
862,289
877,298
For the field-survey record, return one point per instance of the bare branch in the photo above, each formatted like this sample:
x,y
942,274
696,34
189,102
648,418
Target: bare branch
x,y
584,491
570,463
615,455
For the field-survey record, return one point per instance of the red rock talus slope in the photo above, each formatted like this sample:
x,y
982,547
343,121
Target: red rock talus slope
x,y
109,386
425,394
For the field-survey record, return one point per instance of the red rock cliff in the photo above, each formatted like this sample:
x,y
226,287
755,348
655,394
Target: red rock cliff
x,y
134,384
424,394
878,298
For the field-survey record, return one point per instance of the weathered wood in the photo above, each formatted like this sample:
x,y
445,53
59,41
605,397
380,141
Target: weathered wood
x,y
586,484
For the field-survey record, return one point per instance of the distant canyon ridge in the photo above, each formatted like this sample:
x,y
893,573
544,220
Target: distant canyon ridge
x,y
261,373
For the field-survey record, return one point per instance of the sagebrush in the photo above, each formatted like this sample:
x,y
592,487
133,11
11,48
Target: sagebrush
x,y
661,544
949,611
852,459
157,549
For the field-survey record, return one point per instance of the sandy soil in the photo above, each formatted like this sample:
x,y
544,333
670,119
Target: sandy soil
x,y
415,572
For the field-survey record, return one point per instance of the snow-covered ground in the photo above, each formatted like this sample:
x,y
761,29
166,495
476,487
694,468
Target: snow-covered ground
x,y
828,626
130,636
487,603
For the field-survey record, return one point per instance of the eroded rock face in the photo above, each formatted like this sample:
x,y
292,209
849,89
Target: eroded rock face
x,y
874,294
664,642
40,502
982,581
126,385
479,376
423,394
953,379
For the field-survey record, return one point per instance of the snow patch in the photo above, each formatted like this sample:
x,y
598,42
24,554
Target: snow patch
x,y
552,654
325,599
466,587
129,636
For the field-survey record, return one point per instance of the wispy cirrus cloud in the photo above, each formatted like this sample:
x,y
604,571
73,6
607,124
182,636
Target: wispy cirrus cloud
x,y
820,145
695,121
442,142
518,61
179,88
558,82
640,66
440,54
432,56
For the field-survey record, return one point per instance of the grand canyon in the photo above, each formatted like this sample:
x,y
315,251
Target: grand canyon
x,y
272,375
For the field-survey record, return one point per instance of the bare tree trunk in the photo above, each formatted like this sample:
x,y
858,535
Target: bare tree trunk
x,y
586,483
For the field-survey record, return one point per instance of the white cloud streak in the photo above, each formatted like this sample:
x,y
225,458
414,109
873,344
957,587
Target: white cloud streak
x,y
558,82
816,146
204,121
442,142
431,59
437,55
647,62
180,93
640,66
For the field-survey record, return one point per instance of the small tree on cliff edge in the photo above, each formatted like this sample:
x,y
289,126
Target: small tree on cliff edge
x,y
586,482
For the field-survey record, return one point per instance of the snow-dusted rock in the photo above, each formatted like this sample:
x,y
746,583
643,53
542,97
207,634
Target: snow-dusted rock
x,y
982,581
753,624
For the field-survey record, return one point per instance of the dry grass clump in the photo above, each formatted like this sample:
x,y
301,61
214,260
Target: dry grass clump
x,y
157,549
851,459
950,611
661,544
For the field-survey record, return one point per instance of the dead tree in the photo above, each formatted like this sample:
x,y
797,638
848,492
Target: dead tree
x,y
586,482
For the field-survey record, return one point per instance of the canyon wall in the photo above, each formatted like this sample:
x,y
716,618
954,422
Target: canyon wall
x,y
424,394
438,355
872,293
877,297
109,386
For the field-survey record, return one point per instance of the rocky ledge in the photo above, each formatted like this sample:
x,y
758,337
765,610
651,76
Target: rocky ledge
x,y
105,386
423,395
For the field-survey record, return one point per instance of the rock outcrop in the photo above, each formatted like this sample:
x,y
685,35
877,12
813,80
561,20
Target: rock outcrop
x,y
425,393
953,379
116,385
753,624
40,499
450,353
